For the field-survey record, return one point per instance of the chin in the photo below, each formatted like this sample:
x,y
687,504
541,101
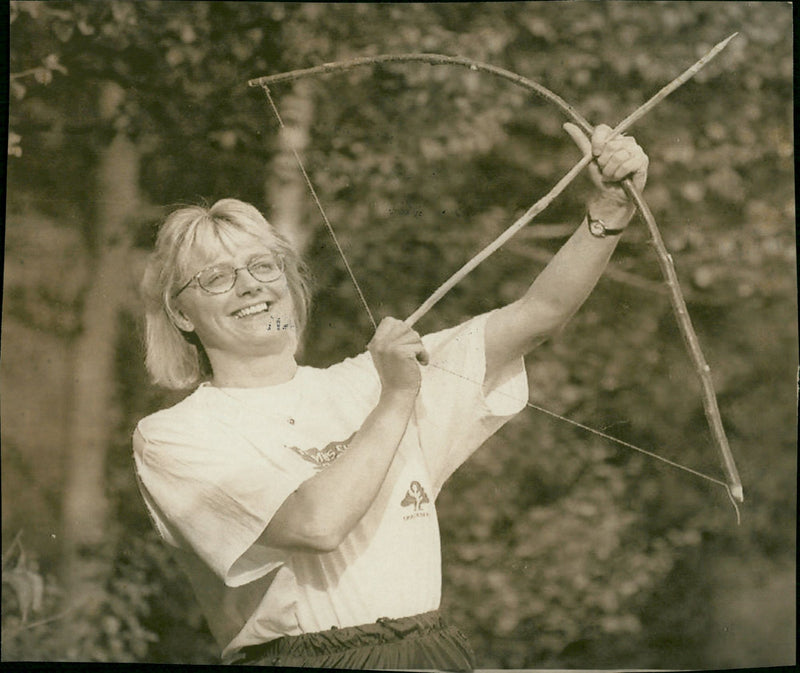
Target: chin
x,y
280,331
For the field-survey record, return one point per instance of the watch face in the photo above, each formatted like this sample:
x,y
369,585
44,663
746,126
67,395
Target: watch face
x,y
597,228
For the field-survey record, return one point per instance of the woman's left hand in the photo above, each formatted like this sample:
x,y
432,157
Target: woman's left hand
x,y
614,160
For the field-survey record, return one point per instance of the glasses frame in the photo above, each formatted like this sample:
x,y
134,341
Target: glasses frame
x,y
236,270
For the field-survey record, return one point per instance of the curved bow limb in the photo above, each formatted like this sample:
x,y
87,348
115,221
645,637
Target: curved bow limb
x,y
690,340
514,78
430,59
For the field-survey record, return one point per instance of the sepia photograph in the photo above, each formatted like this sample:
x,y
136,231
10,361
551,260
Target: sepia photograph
x,y
399,336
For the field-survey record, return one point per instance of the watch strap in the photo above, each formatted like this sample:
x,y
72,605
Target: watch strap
x,y
599,229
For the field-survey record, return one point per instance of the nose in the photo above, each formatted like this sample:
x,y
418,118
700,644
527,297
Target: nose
x,y
245,283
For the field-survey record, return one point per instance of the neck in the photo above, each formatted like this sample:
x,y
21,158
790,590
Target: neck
x,y
253,372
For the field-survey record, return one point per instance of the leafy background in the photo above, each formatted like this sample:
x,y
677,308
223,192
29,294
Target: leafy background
x,y
561,550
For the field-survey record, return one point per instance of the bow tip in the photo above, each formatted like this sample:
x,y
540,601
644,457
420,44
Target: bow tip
x,y
724,42
737,492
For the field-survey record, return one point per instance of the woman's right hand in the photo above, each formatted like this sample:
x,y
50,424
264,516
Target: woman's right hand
x,y
306,521
397,351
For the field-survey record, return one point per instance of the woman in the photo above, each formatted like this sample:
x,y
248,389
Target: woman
x,y
300,501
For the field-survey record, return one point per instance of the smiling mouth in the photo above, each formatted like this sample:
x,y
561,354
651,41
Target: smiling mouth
x,y
251,310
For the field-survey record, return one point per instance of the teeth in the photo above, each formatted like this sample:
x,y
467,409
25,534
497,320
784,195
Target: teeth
x,y
250,310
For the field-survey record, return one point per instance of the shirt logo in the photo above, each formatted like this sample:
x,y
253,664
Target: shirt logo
x,y
323,457
415,497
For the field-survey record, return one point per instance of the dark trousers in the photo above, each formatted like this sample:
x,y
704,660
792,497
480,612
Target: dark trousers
x,y
420,642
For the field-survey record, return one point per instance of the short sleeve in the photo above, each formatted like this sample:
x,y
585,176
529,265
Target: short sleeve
x,y
456,412
213,492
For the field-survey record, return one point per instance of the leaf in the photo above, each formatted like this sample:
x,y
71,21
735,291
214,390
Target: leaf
x,y
17,89
51,62
85,28
29,587
43,75
63,31
14,147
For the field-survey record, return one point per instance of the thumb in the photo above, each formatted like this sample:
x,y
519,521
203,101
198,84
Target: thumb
x,y
578,137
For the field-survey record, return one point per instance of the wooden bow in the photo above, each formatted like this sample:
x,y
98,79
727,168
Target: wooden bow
x,y
733,483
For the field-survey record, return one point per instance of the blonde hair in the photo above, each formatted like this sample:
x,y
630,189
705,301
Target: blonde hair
x,y
174,358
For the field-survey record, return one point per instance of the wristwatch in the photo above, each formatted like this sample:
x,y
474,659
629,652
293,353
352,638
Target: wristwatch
x,y
598,228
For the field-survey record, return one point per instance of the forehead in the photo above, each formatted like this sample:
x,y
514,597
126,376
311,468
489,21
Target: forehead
x,y
211,244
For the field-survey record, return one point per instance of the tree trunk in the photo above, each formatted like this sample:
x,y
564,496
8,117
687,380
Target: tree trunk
x,y
286,189
93,413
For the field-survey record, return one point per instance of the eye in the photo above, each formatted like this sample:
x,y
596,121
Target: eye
x,y
263,265
265,268
214,275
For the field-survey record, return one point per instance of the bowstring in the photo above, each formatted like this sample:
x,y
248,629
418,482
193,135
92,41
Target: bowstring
x,y
322,211
606,436
527,403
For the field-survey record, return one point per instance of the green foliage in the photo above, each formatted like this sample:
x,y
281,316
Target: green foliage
x,y
561,549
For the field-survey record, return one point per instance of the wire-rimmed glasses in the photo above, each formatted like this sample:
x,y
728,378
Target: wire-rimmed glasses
x,y
221,278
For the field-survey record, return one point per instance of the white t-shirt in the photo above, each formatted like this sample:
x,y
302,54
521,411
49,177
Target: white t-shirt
x,y
215,468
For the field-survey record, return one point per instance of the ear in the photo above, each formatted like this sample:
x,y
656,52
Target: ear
x,y
179,319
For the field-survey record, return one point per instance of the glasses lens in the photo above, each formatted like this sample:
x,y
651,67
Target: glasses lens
x,y
266,269
217,279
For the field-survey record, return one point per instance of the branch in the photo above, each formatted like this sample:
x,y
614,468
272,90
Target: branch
x,y
16,541
611,273
25,626
519,246
539,231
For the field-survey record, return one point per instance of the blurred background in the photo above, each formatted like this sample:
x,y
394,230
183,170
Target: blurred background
x,y
561,549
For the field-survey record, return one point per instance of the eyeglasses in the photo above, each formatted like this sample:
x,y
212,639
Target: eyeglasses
x,y
222,277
